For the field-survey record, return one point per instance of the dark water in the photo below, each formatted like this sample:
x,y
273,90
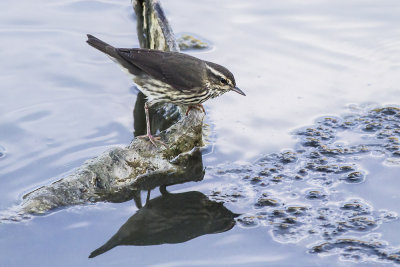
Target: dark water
x,y
63,102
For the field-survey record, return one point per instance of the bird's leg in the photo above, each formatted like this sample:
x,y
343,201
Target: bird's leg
x,y
152,139
198,106
148,131
148,203
137,199
163,190
148,196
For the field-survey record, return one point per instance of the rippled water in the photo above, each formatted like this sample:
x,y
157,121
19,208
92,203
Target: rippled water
x,y
62,102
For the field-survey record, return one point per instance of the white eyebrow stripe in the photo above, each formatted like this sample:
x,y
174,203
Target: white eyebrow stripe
x,y
217,73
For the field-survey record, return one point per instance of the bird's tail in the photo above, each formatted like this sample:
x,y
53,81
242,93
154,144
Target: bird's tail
x,y
102,46
106,247
113,53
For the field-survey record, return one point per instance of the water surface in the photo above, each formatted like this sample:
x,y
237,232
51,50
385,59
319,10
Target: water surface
x,y
62,102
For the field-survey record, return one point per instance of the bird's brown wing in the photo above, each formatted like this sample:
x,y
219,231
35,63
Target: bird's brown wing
x,y
182,72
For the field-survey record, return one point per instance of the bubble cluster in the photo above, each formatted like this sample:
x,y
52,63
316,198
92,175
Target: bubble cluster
x,y
294,193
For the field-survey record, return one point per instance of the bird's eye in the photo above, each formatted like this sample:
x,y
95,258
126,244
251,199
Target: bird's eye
x,y
223,81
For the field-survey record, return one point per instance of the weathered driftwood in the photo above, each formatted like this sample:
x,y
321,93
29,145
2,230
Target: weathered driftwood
x,y
153,28
120,173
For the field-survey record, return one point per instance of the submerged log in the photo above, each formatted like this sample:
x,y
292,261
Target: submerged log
x,y
120,173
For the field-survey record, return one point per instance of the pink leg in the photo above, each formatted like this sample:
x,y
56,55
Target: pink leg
x,y
152,139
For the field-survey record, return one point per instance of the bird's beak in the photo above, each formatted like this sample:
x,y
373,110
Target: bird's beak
x,y
237,90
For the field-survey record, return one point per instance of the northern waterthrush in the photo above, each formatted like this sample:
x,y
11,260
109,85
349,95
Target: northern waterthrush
x,y
170,77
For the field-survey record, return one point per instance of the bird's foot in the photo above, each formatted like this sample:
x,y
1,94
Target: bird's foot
x,y
198,107
153,139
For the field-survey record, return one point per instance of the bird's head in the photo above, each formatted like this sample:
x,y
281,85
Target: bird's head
x,y
220,79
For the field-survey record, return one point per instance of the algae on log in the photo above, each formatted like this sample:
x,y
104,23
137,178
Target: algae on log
x,y
120,173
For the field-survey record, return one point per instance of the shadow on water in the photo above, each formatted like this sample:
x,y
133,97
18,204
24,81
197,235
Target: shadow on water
x,y
170,219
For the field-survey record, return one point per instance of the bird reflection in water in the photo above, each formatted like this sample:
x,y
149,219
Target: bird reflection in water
x,y
170,219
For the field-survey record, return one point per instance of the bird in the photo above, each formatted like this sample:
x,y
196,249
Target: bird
x,y
170,77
